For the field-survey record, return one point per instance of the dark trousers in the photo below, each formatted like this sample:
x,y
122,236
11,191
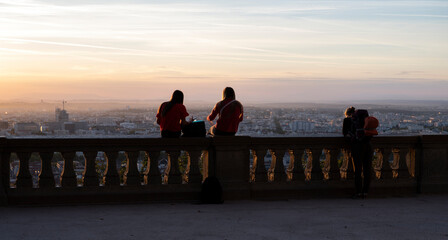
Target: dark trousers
x,y
216,132
170,134
362,154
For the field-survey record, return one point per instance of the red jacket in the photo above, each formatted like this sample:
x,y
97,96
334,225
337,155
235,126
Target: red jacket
x,y
230,115
172,119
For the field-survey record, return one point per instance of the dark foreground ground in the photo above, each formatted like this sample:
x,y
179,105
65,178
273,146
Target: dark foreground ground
x,y
422,217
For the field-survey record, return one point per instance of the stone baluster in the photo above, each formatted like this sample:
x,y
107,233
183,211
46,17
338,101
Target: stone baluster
x,y
24,178
277,169
68,175
205,164
111,176
131,176
152,174
410,162
331,164
192,172
295,168
346,169
258,171
403,170
386,170
378,163
89,176
46,177
172,172
308,164
396,163
316,171
326,165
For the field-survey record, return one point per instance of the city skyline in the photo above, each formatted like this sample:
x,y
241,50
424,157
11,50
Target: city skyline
x,y
287,51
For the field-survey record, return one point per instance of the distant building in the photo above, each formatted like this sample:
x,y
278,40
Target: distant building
x,y
61,115
302,126
81,125
61,132
70,127
62,125
50,127
4,125
26,128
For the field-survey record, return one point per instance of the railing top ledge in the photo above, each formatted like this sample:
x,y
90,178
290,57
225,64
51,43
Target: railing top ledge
x,y
40,144
230,143
435,138
103,144
297,142
395,140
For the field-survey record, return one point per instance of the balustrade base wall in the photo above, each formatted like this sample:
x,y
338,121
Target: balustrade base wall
x,y
109,195
229,159
191,193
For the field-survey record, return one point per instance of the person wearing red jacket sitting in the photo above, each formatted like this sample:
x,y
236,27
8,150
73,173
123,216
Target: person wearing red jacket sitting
x,y
230,113
171,116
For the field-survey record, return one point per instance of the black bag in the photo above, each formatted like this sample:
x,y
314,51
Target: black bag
x,y
211,191
358,120
194,129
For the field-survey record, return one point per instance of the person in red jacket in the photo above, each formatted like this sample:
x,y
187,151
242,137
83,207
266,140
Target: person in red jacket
x,y
230,113
171,116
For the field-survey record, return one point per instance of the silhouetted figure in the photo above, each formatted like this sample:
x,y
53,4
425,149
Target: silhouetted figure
x,y
347,125
171,116
230,113
361,149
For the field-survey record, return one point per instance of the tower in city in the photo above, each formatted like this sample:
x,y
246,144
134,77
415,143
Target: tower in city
x,y
61,114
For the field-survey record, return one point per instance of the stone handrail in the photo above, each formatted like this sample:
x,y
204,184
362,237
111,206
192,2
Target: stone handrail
x,y
318,167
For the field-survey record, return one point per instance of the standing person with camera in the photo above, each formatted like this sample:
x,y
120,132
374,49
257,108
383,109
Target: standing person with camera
x,y
358,129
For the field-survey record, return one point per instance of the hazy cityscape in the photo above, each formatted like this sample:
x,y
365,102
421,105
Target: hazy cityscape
x,y
137,119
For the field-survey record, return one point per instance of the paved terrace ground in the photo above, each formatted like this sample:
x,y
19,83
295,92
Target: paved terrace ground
x,y
421,217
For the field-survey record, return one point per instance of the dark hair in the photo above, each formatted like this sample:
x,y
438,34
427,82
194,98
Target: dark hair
x,y
349,111
176,98
228,93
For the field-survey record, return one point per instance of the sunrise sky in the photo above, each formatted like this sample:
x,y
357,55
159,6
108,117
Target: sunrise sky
x,y
269,51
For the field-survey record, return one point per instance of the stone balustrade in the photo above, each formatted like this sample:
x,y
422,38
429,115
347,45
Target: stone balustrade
x,y
247,167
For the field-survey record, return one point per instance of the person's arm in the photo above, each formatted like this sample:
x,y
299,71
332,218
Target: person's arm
x,y
183,115
159,114
241,114
213,114
183,122
347,130
345,127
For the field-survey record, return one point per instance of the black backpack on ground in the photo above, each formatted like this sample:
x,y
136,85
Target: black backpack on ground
x,y
211,191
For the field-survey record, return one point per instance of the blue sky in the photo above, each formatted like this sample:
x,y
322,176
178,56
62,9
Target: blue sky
x,y
276,51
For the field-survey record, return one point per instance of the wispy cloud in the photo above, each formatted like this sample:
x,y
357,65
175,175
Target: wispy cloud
x,y
68,44
27,51
47,24
415,15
